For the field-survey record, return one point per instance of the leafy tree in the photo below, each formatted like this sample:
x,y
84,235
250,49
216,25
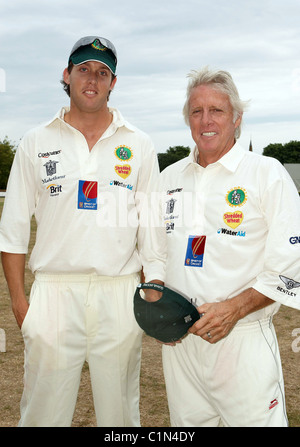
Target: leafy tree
x,y
172,155
292,152
7,153
285,153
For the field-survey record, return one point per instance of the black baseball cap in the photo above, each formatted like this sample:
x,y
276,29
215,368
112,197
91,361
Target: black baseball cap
x,y
167,319
94,48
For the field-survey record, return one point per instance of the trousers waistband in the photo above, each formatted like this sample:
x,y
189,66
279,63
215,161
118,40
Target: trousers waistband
x,y
73,277
254,325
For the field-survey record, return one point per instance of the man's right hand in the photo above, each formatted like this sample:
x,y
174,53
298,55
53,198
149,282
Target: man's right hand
x,y
20,308
153,295
14,271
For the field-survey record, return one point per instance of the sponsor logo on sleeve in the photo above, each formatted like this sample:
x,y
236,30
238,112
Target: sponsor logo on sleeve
x,y
289,284
294,240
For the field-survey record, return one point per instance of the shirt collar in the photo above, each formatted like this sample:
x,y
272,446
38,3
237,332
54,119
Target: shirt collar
x,y
230,160
190,160
118,120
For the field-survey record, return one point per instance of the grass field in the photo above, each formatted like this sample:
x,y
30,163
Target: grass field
x,y
154,410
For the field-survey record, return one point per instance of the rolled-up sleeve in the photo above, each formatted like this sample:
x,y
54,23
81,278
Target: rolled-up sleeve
x,y
19,205
280,278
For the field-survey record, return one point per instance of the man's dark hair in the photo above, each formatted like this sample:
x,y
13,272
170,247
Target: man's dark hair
x,y
66,86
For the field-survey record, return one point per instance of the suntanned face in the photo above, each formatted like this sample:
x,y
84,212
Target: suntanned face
x,y
90,84
211,123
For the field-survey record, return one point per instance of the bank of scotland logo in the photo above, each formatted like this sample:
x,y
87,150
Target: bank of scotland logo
x,y
87,195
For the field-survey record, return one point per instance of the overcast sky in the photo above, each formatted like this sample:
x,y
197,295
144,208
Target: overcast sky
x,y
158,43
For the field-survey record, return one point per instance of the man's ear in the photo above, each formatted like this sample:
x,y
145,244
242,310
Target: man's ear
x,y
66,76
238,120
113,83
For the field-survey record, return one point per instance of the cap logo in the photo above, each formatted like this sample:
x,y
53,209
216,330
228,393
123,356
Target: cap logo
x,y
98,45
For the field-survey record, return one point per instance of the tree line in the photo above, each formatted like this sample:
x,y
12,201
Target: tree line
x,y
285,153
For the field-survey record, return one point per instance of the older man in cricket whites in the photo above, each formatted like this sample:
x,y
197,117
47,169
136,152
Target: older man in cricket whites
x,y
228,248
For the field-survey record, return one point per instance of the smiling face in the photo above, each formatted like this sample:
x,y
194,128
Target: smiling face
x,y
90,84
211,123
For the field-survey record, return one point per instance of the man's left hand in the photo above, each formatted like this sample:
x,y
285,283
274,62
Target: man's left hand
x,y
216,322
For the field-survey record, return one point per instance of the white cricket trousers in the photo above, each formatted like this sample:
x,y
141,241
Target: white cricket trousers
x,y
73,319
236,382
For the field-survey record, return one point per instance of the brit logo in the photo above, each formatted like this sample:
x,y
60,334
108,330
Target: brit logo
x,y
54,189
170,227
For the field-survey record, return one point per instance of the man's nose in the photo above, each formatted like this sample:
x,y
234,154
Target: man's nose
x,y
206,117
92,77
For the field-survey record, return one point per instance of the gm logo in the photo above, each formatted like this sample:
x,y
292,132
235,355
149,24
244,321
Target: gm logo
x,y
295,240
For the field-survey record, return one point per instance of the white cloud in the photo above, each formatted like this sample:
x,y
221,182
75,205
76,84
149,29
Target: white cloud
x,y
158,43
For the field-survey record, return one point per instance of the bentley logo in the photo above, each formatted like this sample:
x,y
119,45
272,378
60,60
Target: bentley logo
x,y
289,283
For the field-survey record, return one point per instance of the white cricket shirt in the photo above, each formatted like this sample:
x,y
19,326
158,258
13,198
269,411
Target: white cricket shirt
x,y
232,225
86,204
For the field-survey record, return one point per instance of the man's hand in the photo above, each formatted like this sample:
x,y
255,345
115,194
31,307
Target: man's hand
x,y
14,271
20,308
219,318
153,295
216,322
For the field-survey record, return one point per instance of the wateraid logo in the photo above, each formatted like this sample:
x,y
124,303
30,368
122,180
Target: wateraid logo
x,y
231,232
